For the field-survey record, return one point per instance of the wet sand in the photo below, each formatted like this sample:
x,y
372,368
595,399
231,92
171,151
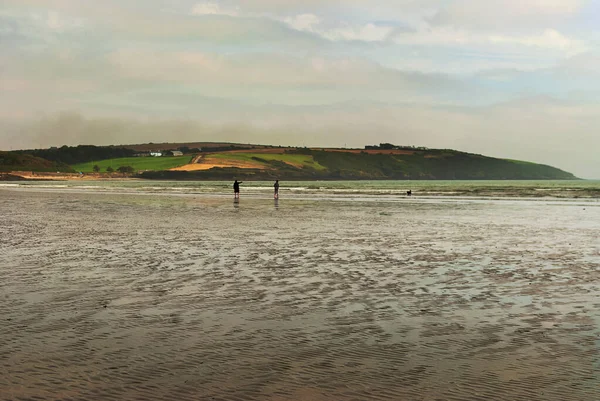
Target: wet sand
x,y
142,296
46,176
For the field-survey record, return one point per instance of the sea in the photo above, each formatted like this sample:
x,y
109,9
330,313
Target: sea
x,y
338,290
523,189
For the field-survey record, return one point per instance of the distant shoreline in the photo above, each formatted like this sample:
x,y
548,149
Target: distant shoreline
x,y
43,176
378,190
383,162
46,176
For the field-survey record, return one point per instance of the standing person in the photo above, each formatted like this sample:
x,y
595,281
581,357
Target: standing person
x,y
276,186
236,189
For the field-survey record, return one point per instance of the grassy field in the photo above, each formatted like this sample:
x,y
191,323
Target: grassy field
x,y
297,160
138,163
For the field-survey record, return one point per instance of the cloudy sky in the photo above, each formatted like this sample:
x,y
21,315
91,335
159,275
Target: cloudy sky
x,y
508,78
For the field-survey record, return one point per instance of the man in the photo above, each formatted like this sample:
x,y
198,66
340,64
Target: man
x,y
276,186
236,189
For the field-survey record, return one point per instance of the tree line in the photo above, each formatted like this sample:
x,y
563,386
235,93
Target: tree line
x,y
79,154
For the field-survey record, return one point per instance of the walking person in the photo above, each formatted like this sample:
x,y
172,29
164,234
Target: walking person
x,y
236,189
276,187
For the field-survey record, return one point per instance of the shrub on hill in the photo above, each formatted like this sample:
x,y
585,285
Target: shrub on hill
x,y
125,169
11,161
79,154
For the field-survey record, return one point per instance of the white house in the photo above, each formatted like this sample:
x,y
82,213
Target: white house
x,y
177,153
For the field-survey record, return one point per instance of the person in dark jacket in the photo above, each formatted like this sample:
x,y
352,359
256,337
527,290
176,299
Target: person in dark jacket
x,y
236,189
276,186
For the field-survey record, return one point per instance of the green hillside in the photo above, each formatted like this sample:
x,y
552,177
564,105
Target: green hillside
x,y
432,164
12,161
385,162
422,164
138,163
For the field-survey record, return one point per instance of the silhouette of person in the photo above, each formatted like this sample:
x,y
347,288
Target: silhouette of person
x,y
236,189
276,186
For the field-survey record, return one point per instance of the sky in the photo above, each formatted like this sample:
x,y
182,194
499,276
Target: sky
x,y
516,79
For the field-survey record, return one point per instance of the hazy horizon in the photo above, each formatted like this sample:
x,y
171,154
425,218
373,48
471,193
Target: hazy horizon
x,y
510,79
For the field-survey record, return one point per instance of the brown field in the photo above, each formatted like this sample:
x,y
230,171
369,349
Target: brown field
x,y
271,151
207,162
371,151
354,151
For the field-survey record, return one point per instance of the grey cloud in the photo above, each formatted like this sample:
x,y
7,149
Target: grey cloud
x,y
175,83
587,64
217,29
273,71
354,9
508,15
142,22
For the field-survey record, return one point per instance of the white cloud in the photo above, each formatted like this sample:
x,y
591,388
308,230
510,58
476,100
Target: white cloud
x,y
213,9
584,66
452,25
366,33
536,7
341,32
303,22
502,15
496,66
549,39
438,36
311,76
56,22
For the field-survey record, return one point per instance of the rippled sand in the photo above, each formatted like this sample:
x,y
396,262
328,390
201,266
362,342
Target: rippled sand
x,y
120,296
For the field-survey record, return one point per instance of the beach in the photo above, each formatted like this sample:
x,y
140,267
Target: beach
x,y
117,293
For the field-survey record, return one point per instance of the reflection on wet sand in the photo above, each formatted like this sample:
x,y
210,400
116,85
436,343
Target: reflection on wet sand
x,y
157,297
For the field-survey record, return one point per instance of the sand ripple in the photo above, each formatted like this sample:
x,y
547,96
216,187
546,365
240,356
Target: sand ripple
x,y
135,297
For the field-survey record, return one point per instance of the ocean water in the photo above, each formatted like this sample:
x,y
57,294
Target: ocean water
x,y
588,189
345,291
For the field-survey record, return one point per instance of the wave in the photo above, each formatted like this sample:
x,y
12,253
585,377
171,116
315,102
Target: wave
x,y
377,189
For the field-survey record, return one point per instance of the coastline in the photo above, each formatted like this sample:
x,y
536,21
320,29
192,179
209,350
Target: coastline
x,y
376,190
47,176
230,175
